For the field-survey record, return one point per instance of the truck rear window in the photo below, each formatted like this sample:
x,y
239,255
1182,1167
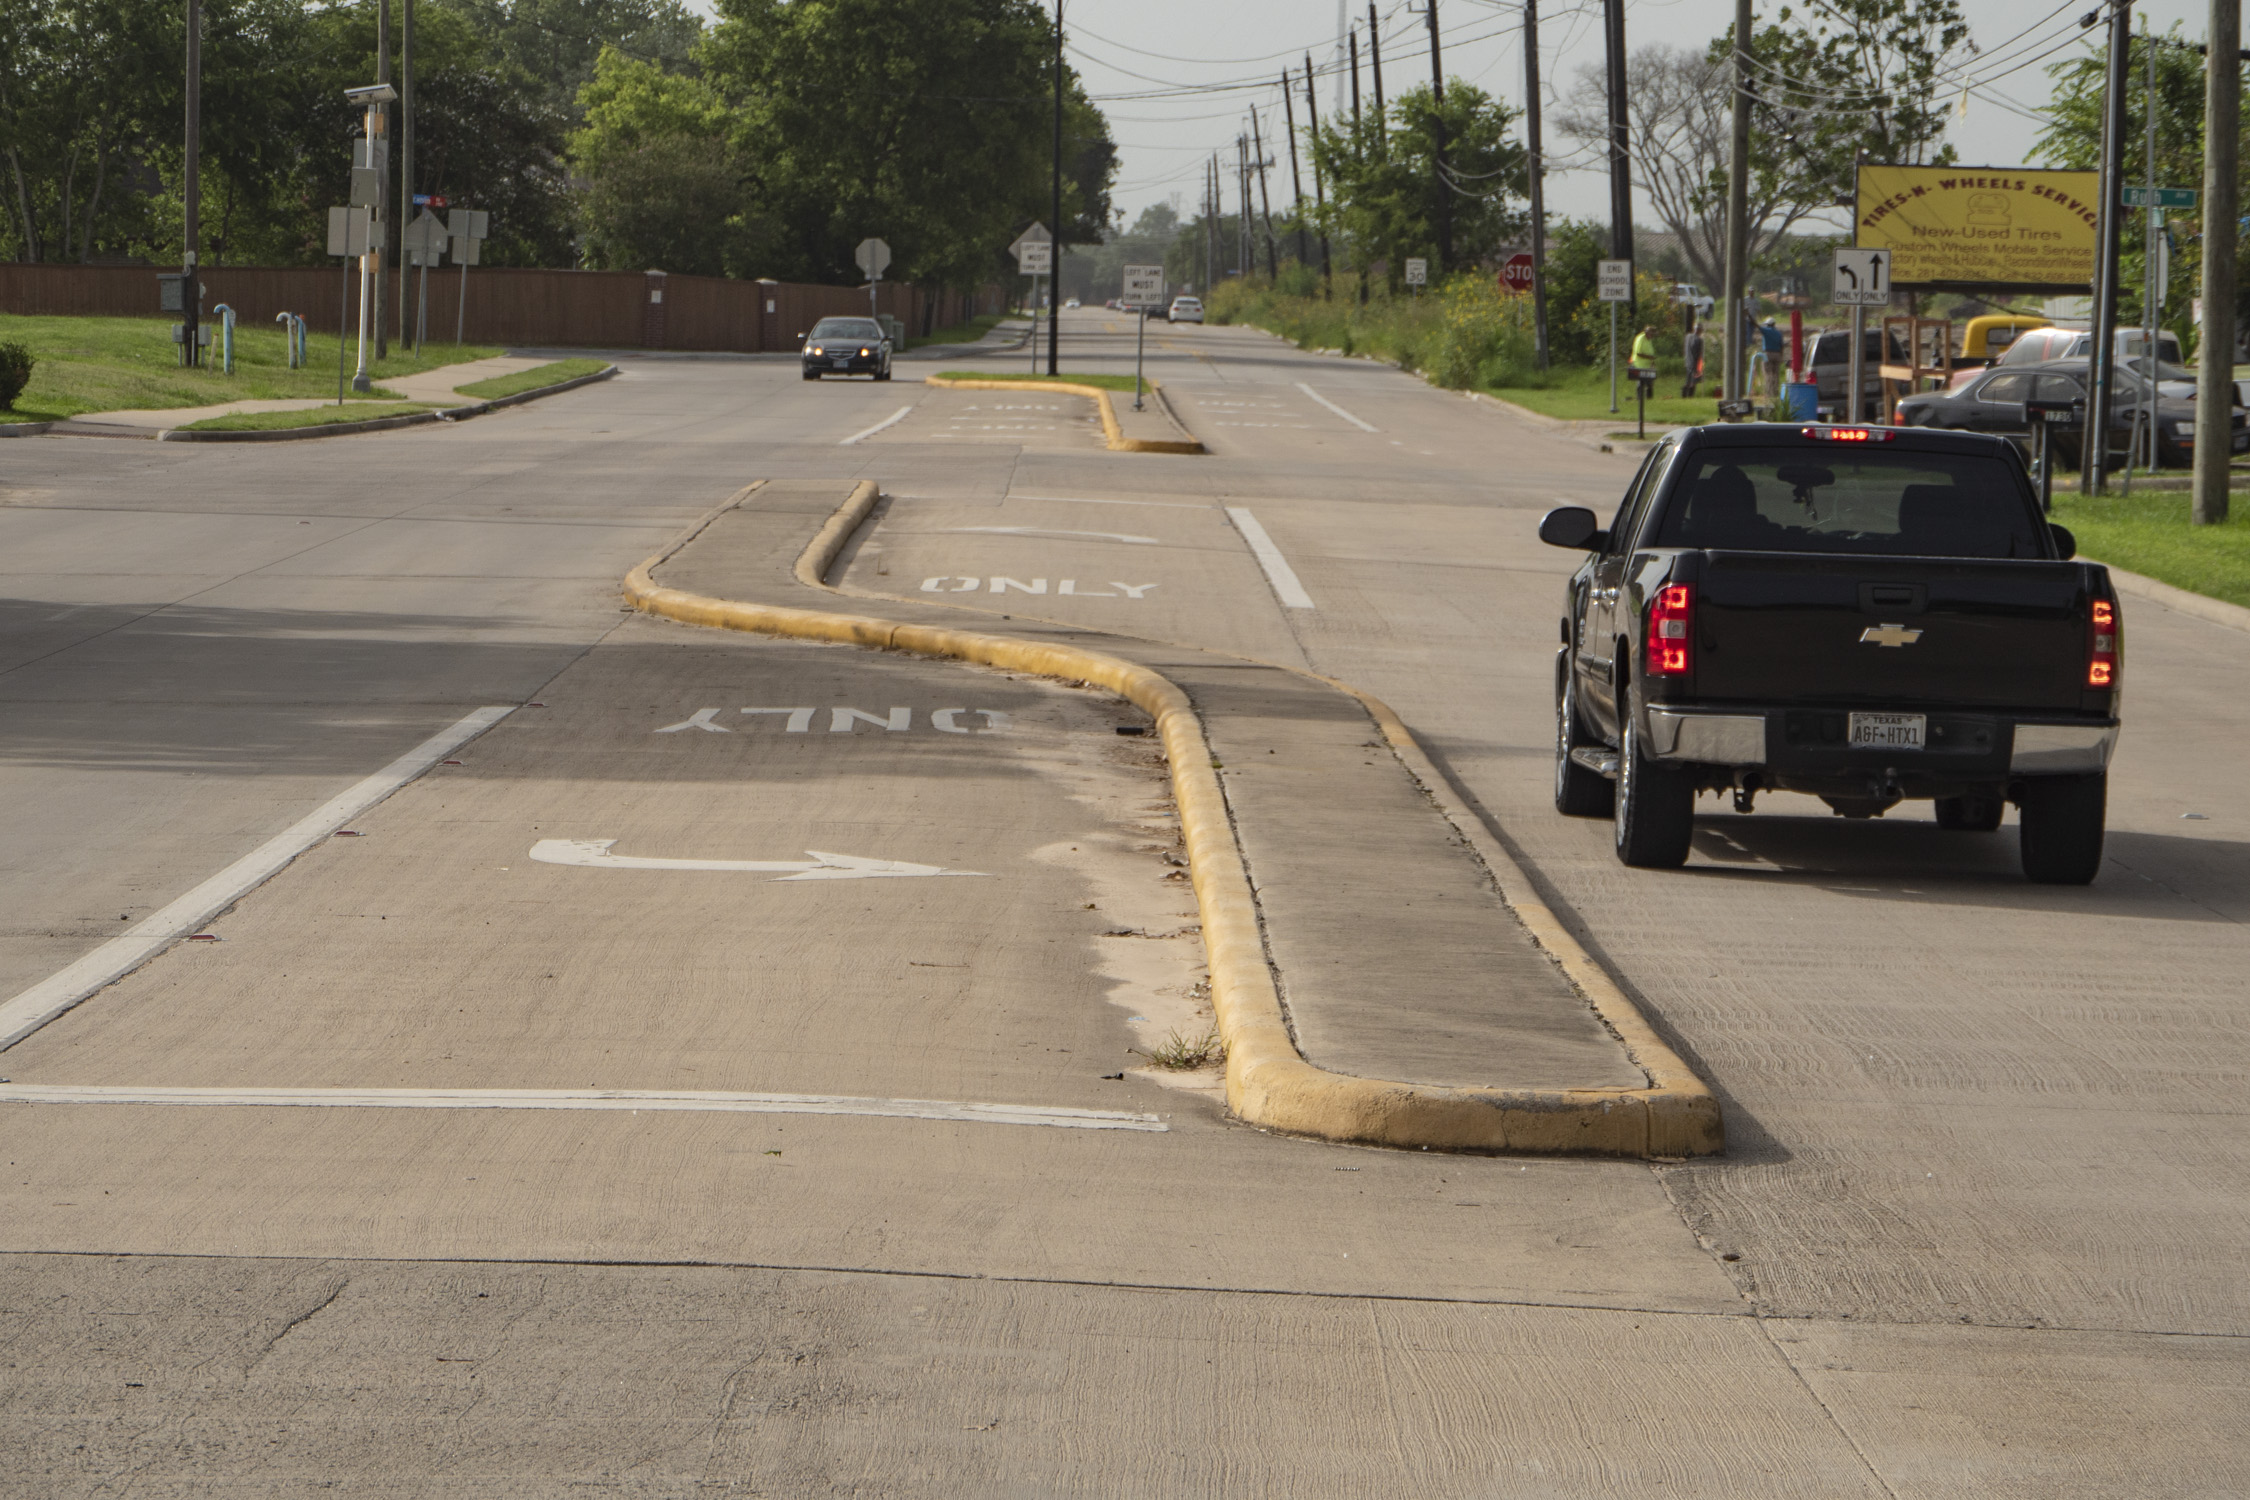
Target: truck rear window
x,y
1894,503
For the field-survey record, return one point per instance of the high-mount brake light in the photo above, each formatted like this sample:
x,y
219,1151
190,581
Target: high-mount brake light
x,y
1671,625
1848,434
2104,645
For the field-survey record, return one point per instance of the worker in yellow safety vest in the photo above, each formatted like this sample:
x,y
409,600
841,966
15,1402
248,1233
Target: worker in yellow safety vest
x,y
1644,352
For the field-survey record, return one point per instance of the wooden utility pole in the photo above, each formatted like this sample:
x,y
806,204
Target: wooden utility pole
x,y
191,192
2222,196
1738,210
1375,57
405,156
1320,200
1437,143
2095,475
1354,39
1620,162
1296,182
1536,169
1265,198
379,236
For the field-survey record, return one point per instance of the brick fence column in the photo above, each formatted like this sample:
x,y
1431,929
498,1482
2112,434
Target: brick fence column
x,y
652,315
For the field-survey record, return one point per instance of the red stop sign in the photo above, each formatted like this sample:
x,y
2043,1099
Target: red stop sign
x,y
1515,276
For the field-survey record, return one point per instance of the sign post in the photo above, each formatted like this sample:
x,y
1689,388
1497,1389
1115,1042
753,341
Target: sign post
x,y
1144,290
1613,283
1034,251
423,239
874,257
1862,279
347,237
469,226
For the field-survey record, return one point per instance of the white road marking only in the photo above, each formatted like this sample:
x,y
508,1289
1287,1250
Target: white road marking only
x,y
893,418
1113,536
1278,572
1338,410
594,853
122,954
652,1100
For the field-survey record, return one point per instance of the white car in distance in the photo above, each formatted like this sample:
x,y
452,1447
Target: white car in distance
x,y
1185,310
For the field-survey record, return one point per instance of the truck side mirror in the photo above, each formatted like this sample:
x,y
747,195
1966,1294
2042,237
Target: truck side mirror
x,y
2066,545
1571,526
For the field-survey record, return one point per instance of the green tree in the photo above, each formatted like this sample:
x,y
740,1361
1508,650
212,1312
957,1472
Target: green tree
x,y
2073,139
662,187
556,45
82,85
926,123
1387,190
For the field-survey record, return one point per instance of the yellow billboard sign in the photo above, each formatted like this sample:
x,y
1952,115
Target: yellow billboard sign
x,y
1967,227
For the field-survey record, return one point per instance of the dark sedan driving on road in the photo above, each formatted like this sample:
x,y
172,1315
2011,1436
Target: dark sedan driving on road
x,y
847,346
1994,403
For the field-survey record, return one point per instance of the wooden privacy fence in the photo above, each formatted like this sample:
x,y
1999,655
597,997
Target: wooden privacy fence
x,y
537,308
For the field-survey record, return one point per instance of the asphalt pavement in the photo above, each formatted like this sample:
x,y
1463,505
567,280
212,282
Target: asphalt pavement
x,y
751,1171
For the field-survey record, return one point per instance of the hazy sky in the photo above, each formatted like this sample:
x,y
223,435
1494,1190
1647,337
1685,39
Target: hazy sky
x,y
1162,70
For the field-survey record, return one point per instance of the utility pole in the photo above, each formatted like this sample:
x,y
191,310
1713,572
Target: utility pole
x,y
405,151
1210,225
1738,206
1437,144
1536,167
191,228
2214,353
1375,56
1244,257
1320,200
2094,477
1353,36
1265,198
1620,164
379,230
1054,281
1296,182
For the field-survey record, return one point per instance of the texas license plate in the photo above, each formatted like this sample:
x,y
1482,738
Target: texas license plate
x,y
1888,731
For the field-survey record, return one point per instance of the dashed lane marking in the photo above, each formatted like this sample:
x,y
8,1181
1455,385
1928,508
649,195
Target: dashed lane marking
x,y
1338,410
1286,588
867,432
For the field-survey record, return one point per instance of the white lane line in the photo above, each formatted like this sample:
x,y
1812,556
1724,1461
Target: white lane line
x,y
1278,572
1338,410
1084,500
1114,536
138,944
868,432
1058,1117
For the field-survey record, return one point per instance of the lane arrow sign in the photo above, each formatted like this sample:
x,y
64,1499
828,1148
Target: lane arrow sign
x,y
594,853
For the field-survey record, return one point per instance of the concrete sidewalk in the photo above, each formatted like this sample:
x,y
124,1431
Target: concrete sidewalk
x,y
439,387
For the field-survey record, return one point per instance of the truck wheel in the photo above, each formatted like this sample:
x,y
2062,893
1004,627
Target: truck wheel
x,y
1655,807
1969,814
2061,819
1579,793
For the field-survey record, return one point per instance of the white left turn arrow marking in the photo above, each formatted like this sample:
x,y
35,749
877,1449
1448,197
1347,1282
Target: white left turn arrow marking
x,y
595,853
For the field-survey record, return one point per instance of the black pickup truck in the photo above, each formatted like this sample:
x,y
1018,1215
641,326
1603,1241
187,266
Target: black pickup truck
x,y
1866,614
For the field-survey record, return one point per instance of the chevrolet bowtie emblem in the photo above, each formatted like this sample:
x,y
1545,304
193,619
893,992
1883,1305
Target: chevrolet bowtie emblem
x,y
1889,635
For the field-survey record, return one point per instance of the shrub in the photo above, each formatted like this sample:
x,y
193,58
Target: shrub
x,y
15,373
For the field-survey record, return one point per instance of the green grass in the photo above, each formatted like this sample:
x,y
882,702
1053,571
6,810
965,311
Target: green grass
x,y
1580,394
130,364
1106,382
532,379
962,333
2149,533
313,416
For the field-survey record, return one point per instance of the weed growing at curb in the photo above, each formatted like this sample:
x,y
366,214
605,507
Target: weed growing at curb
x,y
1179,1054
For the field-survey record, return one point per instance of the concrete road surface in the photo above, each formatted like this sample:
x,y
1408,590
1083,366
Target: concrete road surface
x,y
1978,1231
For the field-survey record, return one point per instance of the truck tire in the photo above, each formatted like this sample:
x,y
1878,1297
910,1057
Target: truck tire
x,y
1579,793
1970,814
2061,819
1655,807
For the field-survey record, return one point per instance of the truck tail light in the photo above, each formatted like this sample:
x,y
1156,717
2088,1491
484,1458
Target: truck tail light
x,y
1671,624
2105,645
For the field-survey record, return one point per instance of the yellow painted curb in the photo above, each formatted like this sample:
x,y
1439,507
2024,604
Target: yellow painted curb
x,y
1268,1083
1111,431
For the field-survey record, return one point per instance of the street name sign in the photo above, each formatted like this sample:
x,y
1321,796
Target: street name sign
x,y
2144,197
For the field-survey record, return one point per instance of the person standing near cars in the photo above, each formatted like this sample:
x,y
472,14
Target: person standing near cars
x,y
1692,350
1774,344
